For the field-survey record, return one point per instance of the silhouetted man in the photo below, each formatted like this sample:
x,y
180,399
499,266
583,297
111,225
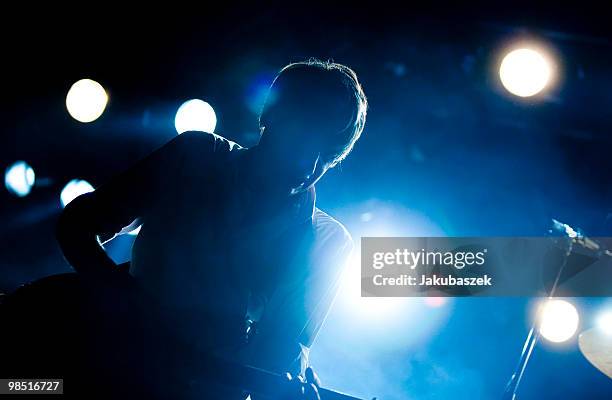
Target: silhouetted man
x,y
232,245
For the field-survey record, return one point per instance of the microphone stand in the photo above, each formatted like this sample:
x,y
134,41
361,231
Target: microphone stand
x,y
533,336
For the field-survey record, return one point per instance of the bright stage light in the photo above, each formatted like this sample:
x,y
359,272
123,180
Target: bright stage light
x,y
604,322
195,115
86,100
19,179
366,308
558,320
525,72
74,189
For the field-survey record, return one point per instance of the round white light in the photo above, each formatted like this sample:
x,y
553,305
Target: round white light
x,y
558,320
74,189
86,100
195,115
19,179
524,72
604,322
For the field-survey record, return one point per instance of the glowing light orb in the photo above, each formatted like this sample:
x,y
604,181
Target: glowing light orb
x,y
74,189
558,320
19,179
86,100
525,72
195,115
604,322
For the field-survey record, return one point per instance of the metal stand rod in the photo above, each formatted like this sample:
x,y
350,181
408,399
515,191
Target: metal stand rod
x,y
533,337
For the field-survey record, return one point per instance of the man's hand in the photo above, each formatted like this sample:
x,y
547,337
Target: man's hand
x,y
302,389
312,385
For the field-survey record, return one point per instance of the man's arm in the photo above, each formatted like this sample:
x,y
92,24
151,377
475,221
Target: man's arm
x,y
298,308
113,206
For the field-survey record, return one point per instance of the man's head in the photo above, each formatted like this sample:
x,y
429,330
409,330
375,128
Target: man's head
x,y
313,115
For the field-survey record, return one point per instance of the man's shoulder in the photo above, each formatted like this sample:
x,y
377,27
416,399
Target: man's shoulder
x,y
194,141
193,154
330,230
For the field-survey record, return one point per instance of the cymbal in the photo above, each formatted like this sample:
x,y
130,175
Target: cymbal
x,y
596,346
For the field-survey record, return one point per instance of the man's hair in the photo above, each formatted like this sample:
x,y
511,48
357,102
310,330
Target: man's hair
x,y
322,91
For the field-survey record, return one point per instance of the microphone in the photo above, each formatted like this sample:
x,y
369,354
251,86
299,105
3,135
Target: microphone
x,y
579,238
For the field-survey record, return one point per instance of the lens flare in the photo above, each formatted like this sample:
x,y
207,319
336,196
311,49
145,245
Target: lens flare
x,y
558,320
86,100
19,179
604,322
74,189
195,115
525,72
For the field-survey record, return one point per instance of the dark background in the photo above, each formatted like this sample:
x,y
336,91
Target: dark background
x,y
446,150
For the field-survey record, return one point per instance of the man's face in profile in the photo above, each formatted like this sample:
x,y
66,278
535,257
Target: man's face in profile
x,y
293,150
304,121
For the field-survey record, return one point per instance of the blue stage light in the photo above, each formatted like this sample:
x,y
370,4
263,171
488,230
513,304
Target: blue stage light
x,y
19,179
